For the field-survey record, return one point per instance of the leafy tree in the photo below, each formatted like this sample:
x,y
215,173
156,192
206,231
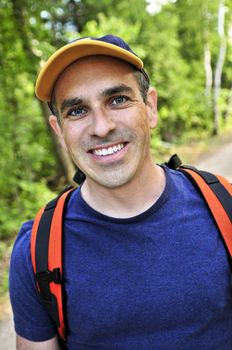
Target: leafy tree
x,y
203,43
173,43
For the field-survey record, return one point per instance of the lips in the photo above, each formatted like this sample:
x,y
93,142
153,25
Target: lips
x,y
106,151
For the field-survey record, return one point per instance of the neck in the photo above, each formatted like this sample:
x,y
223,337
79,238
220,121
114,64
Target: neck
x,y
128,200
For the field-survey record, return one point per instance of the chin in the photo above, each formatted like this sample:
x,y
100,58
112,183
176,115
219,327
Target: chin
x,y
110,181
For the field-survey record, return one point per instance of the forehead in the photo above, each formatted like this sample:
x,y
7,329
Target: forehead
x,y
93,71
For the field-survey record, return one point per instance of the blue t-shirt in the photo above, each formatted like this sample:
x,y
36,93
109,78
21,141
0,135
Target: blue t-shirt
x,y
157,281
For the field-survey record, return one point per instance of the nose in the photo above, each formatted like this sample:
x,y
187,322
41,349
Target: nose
x,y
102,124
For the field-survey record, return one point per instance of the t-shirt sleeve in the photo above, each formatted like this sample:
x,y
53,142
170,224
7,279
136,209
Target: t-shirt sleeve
x,y
30,318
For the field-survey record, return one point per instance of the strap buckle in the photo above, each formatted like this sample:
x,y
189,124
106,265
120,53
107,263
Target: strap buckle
x,y
49,276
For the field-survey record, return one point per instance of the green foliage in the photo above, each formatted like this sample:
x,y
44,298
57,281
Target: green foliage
x,y
22,206
25,163
171,43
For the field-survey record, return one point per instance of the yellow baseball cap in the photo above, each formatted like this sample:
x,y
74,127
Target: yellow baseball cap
x,y
108,45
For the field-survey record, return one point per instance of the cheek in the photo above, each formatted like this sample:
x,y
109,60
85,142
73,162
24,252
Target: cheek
x,y
143,124
70,133
70,140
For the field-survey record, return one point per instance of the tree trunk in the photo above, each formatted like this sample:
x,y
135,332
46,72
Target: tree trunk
x,y
219,66
208,74
228,111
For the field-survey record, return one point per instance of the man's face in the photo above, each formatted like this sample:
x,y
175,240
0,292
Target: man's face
x,y
104,122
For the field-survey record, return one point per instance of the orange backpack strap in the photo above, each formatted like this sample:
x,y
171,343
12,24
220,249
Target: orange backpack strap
x,y
218,195
217,192
46,255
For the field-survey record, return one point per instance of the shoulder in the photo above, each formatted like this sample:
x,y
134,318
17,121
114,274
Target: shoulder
x,y
21,255
21,246
179,183
20,263
184,196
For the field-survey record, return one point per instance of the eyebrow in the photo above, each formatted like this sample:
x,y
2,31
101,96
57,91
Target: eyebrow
x,y
69,102
74,101
116,89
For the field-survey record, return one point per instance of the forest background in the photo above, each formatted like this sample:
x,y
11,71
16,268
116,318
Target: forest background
x,y
187,49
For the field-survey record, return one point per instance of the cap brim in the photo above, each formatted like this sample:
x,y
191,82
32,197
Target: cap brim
x,y
63,57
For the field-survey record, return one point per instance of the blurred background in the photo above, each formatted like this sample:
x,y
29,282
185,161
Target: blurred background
x,y
187,49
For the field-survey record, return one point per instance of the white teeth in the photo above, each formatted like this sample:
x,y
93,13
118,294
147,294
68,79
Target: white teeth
x,y
109,150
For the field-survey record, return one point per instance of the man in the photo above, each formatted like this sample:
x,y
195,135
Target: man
x,y
144,264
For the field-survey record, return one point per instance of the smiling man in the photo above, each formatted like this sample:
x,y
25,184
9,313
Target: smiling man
x,y
106,129
144,265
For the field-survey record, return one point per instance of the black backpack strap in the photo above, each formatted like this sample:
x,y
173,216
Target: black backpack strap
x,y
46,254
174,162
79,177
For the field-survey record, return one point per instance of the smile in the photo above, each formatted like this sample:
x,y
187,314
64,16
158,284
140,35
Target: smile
x,y
109,150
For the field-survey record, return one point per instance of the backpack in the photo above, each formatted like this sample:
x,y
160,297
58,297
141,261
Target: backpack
x,y
46,238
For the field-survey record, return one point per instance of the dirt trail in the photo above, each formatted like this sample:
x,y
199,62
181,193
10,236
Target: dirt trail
x,y
219,162
7,335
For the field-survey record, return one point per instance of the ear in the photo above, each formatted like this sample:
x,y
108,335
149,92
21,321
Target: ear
x,y
53,121
152,107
